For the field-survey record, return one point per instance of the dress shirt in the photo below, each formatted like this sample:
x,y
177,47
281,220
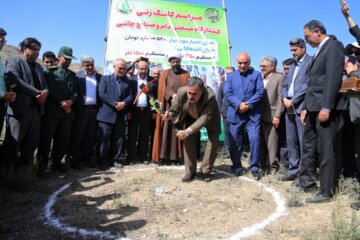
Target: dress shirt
x,y
297,66
90,94
142,100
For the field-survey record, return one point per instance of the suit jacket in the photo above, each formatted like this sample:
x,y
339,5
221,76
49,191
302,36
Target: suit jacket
x,y
152,90
206,109
222,101
109,95
325,77
20,80
81,88
271,105
300,83
238,89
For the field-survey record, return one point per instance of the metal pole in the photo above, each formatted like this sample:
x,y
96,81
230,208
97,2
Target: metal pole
x,y
107,30
227,31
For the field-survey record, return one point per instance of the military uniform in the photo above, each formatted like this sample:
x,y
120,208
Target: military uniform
x,y
57,121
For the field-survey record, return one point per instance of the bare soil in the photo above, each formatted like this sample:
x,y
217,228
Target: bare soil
x,y
151,202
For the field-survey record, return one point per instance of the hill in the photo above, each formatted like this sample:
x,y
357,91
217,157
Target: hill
x,y
9,50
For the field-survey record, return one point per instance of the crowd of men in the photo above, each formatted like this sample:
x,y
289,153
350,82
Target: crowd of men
x,y
294,123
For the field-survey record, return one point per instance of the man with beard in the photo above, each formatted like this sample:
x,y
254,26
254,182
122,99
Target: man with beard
x,y
58,111
166,147
26,78
195,107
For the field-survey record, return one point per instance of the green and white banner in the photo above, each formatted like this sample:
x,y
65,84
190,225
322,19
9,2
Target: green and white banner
x,y
156,29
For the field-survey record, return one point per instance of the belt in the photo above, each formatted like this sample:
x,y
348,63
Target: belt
x,y
89,106
142,108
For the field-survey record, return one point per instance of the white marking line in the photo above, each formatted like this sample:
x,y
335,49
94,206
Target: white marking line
x,y
243,233
280,210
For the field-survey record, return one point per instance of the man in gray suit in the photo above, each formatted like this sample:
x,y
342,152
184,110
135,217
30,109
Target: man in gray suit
x,y
195,107
26,78
292,95
319,115
271,109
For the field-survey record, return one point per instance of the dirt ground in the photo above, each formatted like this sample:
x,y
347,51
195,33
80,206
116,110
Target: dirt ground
x,y
151,202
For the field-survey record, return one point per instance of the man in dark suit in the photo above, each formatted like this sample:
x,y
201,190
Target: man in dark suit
x,y
85,109
292,95
244,88
223,107
139,115
319,115
271,109
116,97
26,78
195,107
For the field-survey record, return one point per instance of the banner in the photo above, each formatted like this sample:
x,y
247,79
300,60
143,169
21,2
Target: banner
x,y
156,29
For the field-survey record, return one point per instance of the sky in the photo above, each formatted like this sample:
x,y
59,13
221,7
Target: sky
x,y
259,27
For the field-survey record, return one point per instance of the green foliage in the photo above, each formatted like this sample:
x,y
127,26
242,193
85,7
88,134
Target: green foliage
x,y
350,187
342,225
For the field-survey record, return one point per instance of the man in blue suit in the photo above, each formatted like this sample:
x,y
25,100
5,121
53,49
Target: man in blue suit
x,y
116,97
244,89
292,95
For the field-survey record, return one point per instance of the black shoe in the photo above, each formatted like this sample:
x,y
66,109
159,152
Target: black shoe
x,y
318,198
188,177
76,166
355,205
240,172
287,178
311,189
256,174
59,168
206,177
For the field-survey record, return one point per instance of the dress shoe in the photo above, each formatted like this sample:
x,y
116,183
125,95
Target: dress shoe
x,y
118,165
256,174
188,177
310,189
288,177
146,162
355,205
239,172
76,165
206,177
318,198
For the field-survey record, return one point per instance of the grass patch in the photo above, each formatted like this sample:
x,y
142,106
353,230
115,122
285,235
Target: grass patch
x,y
344,226
350,187
293,197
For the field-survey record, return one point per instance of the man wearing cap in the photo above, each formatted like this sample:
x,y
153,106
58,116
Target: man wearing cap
x,y
26,78
85,109
58,110
5,95
292,95
166,147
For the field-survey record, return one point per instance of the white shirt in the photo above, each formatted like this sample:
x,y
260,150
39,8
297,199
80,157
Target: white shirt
x,y
90,82
291,88
142,100
320,46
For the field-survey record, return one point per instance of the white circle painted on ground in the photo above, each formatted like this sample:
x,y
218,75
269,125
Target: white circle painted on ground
x,y
280,210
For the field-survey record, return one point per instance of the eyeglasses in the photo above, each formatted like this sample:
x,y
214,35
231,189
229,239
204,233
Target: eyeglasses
x,y
308,36
262,66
